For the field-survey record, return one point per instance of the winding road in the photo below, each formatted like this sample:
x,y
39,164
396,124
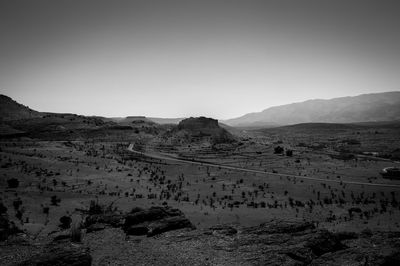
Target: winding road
x,y
169,157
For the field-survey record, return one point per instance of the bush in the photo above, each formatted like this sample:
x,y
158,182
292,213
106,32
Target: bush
x,y
65,222
289,153
278,150
55,200
46,210
13,183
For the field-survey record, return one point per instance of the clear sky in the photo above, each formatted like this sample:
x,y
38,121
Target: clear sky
x,y
187,58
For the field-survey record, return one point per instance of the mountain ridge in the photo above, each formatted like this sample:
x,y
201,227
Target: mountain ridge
x,y
373,107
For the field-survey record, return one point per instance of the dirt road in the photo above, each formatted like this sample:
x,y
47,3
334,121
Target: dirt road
x,y
169,157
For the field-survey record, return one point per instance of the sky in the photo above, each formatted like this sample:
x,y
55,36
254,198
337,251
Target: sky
x,y
217,58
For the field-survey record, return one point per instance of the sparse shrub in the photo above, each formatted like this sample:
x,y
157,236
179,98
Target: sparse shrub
x,y
65,222
55,200
278,150
3,209
46,210
13,183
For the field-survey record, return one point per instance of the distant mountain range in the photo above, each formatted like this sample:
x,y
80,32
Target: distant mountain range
x,y
373,107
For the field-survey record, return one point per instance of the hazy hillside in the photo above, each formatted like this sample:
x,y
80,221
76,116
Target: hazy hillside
x,y
363,108
11,110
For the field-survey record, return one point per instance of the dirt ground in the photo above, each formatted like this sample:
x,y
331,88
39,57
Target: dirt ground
x,y
77,172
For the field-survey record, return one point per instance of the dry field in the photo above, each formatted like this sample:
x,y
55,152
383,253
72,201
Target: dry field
x,y
60,178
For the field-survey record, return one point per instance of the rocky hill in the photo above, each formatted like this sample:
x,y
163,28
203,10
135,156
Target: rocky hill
x,y
203,127
19,120
11,110
363,108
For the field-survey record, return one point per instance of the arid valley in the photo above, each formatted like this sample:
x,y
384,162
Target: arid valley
x,y
145,188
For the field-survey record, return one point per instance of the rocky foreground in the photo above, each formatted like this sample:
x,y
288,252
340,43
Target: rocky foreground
x,y
164,236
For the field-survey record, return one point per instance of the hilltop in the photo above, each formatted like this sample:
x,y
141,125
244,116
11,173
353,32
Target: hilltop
x,y
11,110
203,127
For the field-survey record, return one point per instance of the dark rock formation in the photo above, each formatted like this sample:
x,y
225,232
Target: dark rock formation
x,y
149,215
169,224
198,123
203,127
95,227
155,220
150,222
115,220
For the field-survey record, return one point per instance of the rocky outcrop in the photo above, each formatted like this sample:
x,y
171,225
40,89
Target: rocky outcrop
x,y
112,219
198,123
379,249
168,224
150,222
272,243
154,221
61,255
199,128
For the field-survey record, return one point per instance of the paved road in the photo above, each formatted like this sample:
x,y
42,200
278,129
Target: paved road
x,y
168,157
